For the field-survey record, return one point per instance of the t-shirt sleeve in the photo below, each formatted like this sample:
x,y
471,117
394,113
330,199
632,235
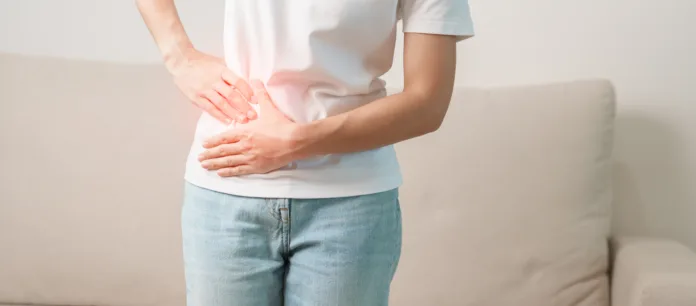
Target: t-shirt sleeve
x,y
444,17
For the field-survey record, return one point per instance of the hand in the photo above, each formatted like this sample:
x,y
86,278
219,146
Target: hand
x,y
206,81
261,146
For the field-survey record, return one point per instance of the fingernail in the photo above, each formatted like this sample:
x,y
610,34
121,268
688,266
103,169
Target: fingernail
x,y
251,114
205,164
242,119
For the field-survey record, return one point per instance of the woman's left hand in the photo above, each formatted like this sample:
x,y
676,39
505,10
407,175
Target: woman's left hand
x,y
257,147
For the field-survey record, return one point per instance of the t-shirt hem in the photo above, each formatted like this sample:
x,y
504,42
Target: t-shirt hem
x,y
461,30
293,190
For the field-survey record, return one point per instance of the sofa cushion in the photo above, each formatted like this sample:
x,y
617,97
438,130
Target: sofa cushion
x,y
508,203
90,189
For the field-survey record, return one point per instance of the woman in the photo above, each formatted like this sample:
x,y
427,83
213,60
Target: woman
x,y
291,195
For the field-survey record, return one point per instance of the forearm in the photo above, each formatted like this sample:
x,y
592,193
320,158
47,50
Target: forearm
x,y
162,19
429,68
384,122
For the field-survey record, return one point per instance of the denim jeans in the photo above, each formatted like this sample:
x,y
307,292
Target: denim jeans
x,y
241,251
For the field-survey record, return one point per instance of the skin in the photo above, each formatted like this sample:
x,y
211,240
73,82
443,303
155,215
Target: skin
x,y
263,146
204,79
273,141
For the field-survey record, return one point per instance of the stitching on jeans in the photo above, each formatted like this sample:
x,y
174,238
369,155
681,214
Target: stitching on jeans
x,y
285,225
271,207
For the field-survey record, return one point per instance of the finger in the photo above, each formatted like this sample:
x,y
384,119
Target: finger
x,y
238,83
232,99
230,136
224,89
221,103
222,151
259,90
208,107
236,171
261,96
225,162
266,104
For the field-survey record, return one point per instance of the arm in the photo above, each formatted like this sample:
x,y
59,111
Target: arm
x,y
429,67
273,140
432,28
202,78
162,19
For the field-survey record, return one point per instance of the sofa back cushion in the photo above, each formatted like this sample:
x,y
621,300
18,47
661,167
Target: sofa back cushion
x,y
90,189
508,203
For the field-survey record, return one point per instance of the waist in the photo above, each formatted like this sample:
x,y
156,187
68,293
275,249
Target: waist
x,y
326,176
336,175
302,105
309,103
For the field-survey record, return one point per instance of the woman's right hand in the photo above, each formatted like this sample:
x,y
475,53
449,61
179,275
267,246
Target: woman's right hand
x,y
207,82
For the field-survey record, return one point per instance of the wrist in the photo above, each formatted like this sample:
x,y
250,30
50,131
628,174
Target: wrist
x,y
177,56
317,137
305,139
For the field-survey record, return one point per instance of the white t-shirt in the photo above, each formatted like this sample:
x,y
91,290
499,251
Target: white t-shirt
x,y
319,58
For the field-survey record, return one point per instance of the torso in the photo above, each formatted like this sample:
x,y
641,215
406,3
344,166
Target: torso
x,y
317,58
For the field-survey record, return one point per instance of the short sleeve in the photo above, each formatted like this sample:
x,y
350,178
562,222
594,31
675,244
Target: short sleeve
x,y
444,17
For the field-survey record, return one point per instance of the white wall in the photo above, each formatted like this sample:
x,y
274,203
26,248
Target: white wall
x,y
646,47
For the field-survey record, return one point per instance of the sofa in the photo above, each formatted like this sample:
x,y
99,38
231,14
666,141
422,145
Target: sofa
x,y
509,203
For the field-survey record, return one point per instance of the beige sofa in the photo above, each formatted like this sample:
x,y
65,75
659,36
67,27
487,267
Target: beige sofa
x,y
508,204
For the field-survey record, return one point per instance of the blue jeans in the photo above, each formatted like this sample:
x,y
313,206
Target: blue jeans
x,y
241,251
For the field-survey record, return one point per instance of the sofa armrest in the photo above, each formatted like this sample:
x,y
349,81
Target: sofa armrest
x,y
652,272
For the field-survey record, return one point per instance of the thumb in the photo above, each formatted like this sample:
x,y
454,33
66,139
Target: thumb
x,y
267,108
